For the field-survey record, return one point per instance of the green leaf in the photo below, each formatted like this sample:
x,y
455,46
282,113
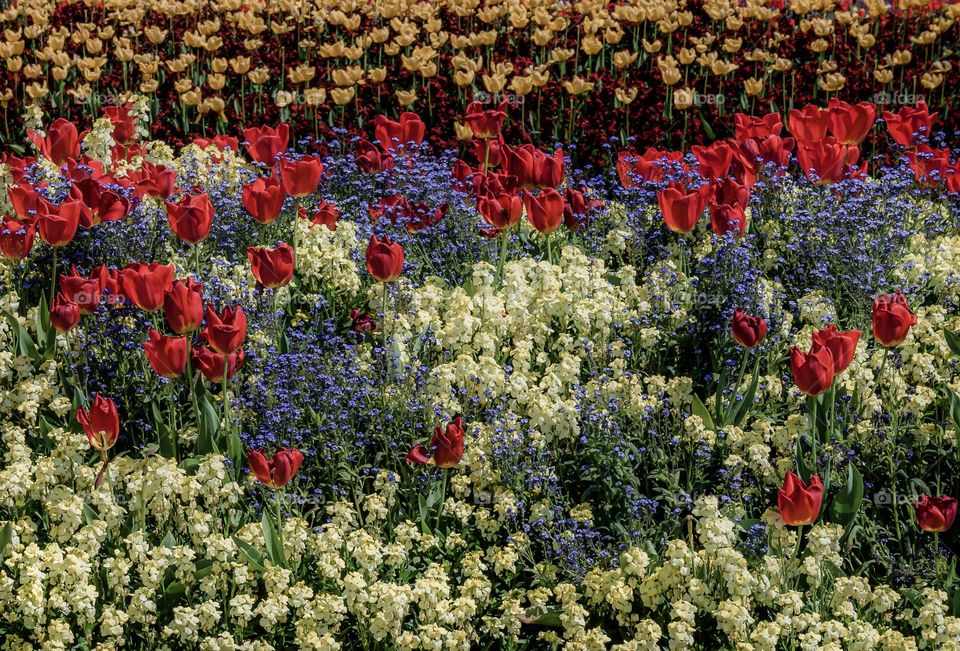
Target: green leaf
x,y
804,469
953,341
46,334
6,535
543,616
846,504
699,409
89,514
235,449
209,427
740,410
169,541
707,129
166,438
252,554
272,541
25,345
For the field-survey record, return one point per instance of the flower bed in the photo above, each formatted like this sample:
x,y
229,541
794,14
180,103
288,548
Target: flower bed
x,y
373,396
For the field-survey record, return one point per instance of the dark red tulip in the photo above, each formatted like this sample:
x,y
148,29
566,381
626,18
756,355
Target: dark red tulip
x,y
264,144
146,284
100,423
62,141
58,224
728,218
98,204
391,207
124,127
935,514
809,125
421,216
729,192
447,446
226,331
800,503
263,199
812,372
748,330
545,210
850,123
370,159
64,315
909,124
301,176
749,126
167,355
681,209
192,218
326,213
276,472
113,288
485,123
362,322
212,365
486,151
398,135
157,181
16,238
714,160
84,291
384,259
183,306
842,345
272,267
892,319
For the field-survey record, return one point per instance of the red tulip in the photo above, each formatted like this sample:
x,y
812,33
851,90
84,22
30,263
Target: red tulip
x,y
842,345
167,355
183,306
302,176
851,123
809,125
226,331
393,135
486,151
212,364
910,123
682,210
157,181
485,123
85,292
263,199
62,141
577,209
58,224
97,204
800,503
264,144
421,216
813,371
370,159
26,201
532,167
714,160
326,214
748,126
391,206
272,267
935,514
222,142
146,284
124,127
384,259
728,218
500,211
892,319
747,330
64,315
113,288
100,423
650,167
276,472
192,218
545,210
16,238
826,160
929,165
447,446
